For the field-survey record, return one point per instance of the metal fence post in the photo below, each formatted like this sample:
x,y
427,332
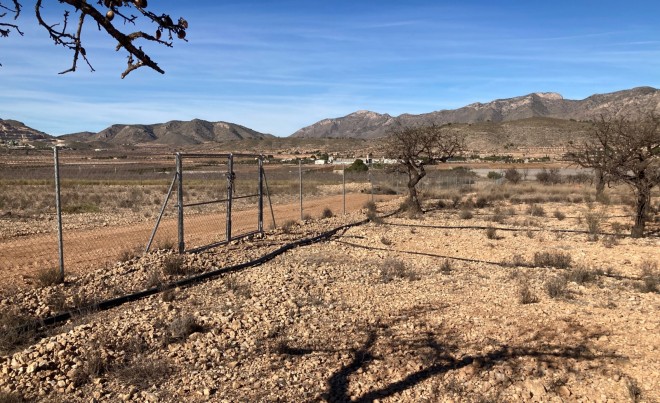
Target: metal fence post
x,y
179,175
343,178
371,182
270,202
261,195
58,207
301,188
230,193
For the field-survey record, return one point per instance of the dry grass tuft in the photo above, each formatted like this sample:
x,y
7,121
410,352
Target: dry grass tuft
x,y
174,265
556,287
580,275
15,330
558,260
650,277
392,269
525,293
49,277
327,213
182,327
446,267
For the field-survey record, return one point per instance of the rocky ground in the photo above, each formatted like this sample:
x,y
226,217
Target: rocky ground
x,y
506,305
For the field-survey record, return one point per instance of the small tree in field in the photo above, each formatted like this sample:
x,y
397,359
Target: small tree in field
x,y
513,175
625,150
70,30
415,147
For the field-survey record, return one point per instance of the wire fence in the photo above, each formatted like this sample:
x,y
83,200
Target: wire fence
x,y
110,204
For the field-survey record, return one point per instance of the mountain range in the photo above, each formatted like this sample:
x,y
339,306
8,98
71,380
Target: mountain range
x,y
368,125
175,133
537,119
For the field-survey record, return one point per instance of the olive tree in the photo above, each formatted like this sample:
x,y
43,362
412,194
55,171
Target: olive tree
x,y
415,147
104,15
626,150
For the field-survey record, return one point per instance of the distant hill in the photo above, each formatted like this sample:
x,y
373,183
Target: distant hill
x,y
13,130
174,133
366,124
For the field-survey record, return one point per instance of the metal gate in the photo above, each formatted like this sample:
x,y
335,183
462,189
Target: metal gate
x,y
219,198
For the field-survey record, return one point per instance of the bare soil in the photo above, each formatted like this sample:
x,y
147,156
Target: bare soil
x,y
88,249
412,309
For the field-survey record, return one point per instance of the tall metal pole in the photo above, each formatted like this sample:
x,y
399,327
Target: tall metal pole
x,y
58,208
343,177
261,194
179,175
301,188
230,193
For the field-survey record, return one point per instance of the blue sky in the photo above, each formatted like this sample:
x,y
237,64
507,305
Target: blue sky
x,y
277,66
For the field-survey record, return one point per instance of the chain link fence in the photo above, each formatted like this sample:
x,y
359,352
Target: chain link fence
x,y
114,208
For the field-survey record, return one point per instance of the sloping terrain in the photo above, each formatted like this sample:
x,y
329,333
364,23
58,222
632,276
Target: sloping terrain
x,y
404,309
176,133
13,130
366,124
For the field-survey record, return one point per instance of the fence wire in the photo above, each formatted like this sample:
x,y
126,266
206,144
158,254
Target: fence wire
x,y
28,224
110,203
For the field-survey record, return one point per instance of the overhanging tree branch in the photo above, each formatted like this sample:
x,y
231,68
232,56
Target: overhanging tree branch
x,y
63,35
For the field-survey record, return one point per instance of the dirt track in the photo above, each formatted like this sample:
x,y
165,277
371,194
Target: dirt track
x,y
93,248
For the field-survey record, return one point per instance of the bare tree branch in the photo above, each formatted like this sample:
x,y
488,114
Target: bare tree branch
x,y
415,147
61,34
16,11
625,150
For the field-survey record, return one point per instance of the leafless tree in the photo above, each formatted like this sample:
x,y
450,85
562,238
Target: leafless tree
x,y
69,34
627,150
415,147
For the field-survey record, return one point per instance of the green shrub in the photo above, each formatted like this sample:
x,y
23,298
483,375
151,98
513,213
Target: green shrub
x,y
512,175
357,166
494,175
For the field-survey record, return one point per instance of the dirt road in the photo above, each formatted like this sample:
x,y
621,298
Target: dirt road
x,y
24,256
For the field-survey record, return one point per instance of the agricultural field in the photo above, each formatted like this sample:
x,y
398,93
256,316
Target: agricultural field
x,y
498,292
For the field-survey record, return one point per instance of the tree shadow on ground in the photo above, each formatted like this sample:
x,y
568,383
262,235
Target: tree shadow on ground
x,y
445,358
